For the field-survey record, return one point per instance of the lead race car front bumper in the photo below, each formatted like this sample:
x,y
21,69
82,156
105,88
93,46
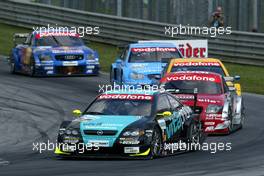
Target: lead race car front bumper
x,y
52,68
74,146
116,151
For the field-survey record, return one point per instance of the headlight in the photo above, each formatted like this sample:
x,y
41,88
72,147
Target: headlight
x,y
90,56
135,75
45,58
134,133
68,132
212,109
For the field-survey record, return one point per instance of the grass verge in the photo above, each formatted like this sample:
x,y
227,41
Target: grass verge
x,y
252,77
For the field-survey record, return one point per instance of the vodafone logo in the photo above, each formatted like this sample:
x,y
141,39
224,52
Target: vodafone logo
x,y
126,96
153,49
192,78
197,64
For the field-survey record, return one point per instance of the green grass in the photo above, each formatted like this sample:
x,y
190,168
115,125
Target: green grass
x,y
252,77
6,37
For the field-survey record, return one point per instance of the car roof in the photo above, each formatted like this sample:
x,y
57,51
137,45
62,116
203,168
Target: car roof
x,y
152,44
195,60
193,73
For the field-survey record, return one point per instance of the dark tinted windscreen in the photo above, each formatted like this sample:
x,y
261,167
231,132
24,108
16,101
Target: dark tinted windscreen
x,y
59,41
151,56
204,87
214,69
120,107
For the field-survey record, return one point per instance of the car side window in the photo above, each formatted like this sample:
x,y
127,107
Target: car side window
x,y
28,40
225,86
124,54
163,104
174,103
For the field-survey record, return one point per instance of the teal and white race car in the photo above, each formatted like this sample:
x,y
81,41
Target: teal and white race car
x,y
129,124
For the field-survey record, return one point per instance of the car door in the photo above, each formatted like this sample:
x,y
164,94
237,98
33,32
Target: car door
x,y
171,124
229,97
120,64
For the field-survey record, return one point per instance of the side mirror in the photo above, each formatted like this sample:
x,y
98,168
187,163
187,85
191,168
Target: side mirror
x,y
237,78
229,78
165,114
77,113
118,61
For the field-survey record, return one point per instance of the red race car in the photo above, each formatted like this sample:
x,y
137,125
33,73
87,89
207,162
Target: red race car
x,y
221,110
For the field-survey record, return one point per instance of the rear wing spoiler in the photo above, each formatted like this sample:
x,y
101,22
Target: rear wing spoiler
x,y
20,38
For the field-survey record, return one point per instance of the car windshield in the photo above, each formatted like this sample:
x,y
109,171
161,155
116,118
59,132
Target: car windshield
x,y
185,87
214,69
59,41
120,107
139,55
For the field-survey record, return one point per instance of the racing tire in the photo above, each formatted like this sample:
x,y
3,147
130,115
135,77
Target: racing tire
x,y
195,136
243,116
12,67
231,126
111,77
32,68
156,145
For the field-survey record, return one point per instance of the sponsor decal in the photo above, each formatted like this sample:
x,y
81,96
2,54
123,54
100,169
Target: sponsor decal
x,y
209,128
153,49
99,143
131,149
46,34
191,97
70,63
213,116
209,123
67,50
126,96
174,126
193,78
197,64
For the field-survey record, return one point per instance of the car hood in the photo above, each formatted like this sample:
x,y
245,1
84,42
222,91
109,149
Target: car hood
x,y
147,68
104,122
63,50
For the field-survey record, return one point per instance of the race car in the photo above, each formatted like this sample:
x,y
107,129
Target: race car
x,y
129,124
141,63
205,64
52,53
221,109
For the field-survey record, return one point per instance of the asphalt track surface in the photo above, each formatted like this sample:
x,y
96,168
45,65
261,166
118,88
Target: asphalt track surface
x,y
31,110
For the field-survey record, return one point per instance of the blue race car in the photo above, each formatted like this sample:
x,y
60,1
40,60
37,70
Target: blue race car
x,y
129,124
46,54
142,63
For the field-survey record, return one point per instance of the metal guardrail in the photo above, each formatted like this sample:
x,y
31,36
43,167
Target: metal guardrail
x,y
239,47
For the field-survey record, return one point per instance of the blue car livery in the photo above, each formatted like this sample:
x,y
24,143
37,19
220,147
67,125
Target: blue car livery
x,y
142,63
47,54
